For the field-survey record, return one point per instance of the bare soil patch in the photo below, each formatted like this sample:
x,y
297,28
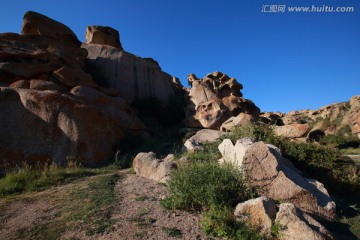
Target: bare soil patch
x,y
138,214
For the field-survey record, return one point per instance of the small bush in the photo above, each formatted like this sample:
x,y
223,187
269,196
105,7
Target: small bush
x,y
209,153
220,222
340,140
200,185
255,132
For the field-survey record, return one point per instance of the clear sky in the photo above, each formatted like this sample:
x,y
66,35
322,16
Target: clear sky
x,y
285,60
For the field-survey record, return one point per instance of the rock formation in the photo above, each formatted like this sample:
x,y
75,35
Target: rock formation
x,y
214,99
276,178
147,165
103,35
338,118
135,78
54,107
295,224
290,222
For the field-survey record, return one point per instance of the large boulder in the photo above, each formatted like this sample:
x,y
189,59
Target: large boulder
x,y
147,165
214,99
276,178
135,78
103,35
46,125
204,135
295,224
259,212
44,47
38,24
294,130
240,120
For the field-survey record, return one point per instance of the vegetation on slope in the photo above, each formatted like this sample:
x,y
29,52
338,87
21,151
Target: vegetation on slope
x,y
87,206
194,185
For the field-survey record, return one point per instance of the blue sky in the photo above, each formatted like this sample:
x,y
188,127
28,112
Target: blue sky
x,y
285,61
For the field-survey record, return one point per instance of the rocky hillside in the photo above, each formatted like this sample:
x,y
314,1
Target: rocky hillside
x,y
338,118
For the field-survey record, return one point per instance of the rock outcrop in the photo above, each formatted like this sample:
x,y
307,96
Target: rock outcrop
x,y
147,165
38,24
276,178
338,118
53,107
135,78
214,99
103,35
40,125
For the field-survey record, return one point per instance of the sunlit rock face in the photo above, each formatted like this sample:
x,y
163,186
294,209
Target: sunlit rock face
x,y
214,99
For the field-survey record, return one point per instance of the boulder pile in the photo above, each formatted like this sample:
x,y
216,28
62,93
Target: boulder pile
x,y
275,177
215,99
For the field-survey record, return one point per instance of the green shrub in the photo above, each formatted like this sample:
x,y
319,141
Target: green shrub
x,y
198,186
220,222
340,140
255,132
209,153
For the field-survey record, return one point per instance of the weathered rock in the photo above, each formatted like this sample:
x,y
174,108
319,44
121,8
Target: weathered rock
x,y
38,24
259,212
295,224
39,51
23,70
135,78
272,118
234,154
43,85
214,99
239,120
353,116
117,109
103,35
202,136
47,125
337,118
20,84
275,178
149,166
211,114
294,130
71,77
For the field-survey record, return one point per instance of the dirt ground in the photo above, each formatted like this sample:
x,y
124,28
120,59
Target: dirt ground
x,y
138,214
